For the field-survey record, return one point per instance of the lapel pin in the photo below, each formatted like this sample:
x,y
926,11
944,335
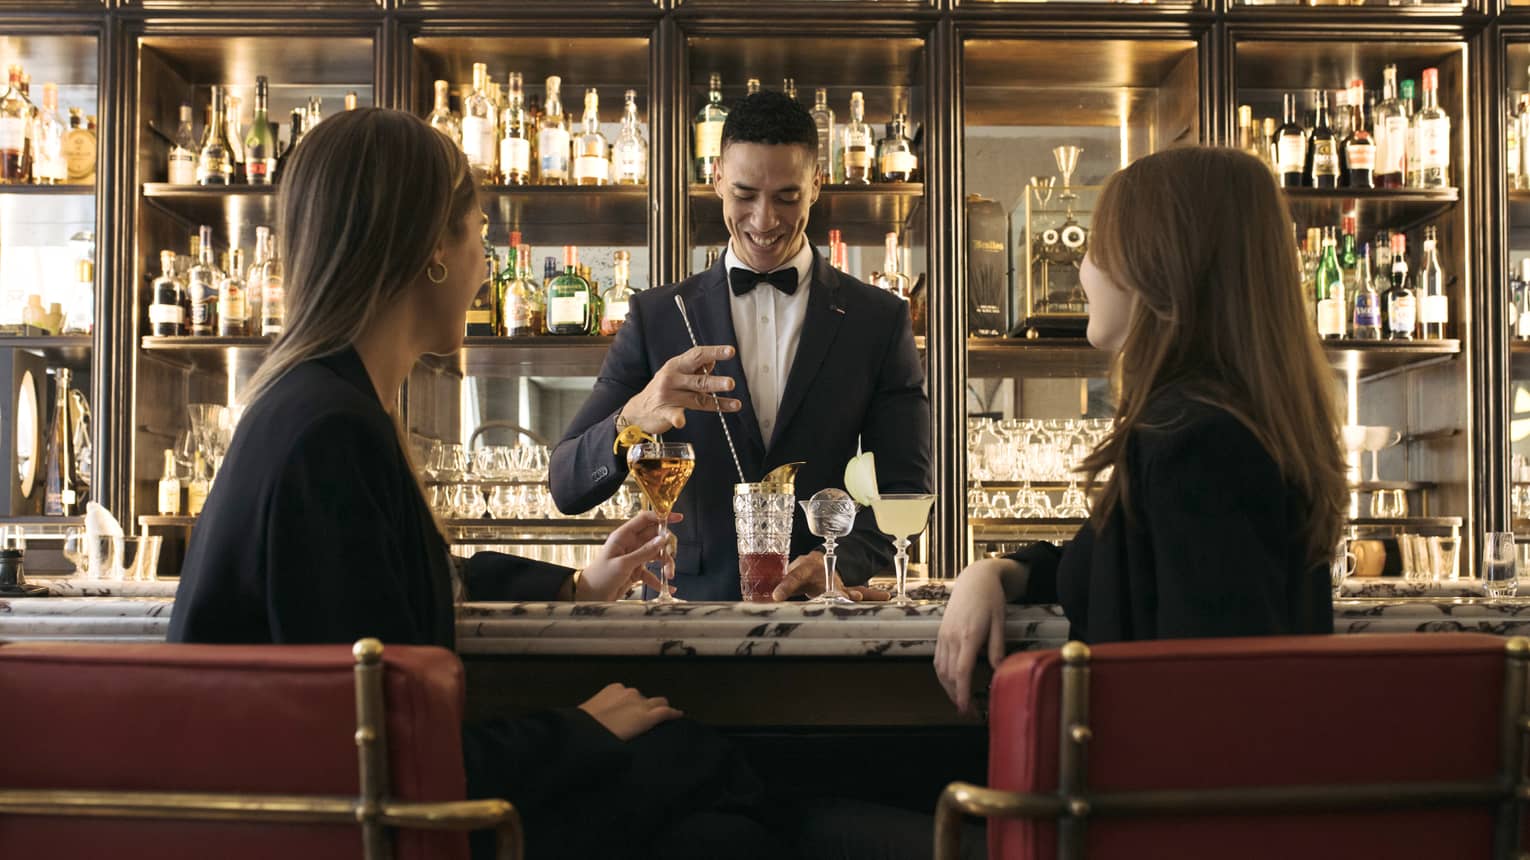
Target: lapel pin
x,y
837,309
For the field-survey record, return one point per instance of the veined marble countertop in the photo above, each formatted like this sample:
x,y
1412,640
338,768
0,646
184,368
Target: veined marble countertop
x,y
739,630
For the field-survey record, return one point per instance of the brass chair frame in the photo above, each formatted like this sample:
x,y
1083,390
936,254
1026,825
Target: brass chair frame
x,y
1073,804
372,810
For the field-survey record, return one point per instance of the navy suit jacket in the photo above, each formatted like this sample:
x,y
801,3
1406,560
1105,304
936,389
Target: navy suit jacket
x,y
857,374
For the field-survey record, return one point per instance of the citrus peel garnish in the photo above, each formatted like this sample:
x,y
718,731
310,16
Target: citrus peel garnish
x,y
631,435
861,478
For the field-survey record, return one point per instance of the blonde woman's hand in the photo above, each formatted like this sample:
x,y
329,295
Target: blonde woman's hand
x,y
627,713
973,624
620,560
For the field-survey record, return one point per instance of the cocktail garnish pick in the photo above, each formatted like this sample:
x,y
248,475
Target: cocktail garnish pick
x,y
727,434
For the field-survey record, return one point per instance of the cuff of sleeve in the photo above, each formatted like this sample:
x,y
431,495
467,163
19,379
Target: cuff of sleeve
x,y
1040,559
497,576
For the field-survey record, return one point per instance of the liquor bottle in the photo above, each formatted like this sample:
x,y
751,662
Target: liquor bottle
x,y
14,119
896,161
1367,302
441,117
1248,134
515,295
254,284
552,137
1522,302
1433,305
789,88
260,143
1290,147
214,165
203,286
515,142
29,149
233,108
629,156
614,301
314,114
856,143
167,316
751,87
890,279
1410,138
233,310
568,298
196,489
479,140
273,295
1402,305
823,120
592,165
80,299
80,150
549,271
170,488
1322,160
48,164
183,155
597,302
294,134
1431,129
1311,255
1523,117
1330,291
708,127
536,295
1511,146
1267,140
61,482
1391,131
350,100
481,318
1339,118
1360,147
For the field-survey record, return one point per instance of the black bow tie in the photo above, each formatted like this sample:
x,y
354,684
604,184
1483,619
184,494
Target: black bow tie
x,y
741,281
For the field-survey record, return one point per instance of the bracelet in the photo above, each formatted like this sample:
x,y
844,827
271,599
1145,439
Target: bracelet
x,y
573,594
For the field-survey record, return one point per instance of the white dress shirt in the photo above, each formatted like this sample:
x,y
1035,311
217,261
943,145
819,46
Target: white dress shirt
x,y
768,324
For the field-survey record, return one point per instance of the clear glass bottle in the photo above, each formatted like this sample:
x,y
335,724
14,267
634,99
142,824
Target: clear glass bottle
x,y
856,143
197,488
568,298
515,131
592,162
896,161
167,316
235,111
233,310
708,127
441,117
260,143
1431,129
202,284
890,278
1247,134
48,164
314,114
1322,161
15,117
553,143
273,302
1366,324
616,299
170,488
479,138
254,286
215,159
183,155
629,164
823,120
1391,131
1433,304
61,481
1402,305
1290,147
1329,283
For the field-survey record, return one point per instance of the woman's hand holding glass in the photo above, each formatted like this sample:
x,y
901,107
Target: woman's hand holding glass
x,y
619,562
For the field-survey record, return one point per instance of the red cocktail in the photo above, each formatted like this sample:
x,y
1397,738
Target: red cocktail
x,y
759,573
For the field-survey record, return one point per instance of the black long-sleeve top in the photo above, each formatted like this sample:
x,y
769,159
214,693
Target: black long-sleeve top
x,y
1209,542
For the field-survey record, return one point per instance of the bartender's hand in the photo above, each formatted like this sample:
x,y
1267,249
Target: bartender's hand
x,y
805,576
627,713
680,385
973,623
620,560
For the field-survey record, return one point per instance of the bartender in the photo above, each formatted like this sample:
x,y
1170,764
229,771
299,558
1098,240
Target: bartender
x,y
801,361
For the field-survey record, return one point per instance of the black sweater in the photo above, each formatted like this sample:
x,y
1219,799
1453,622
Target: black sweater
x,y
1208,543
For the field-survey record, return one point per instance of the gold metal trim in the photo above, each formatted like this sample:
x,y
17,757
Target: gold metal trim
x,y
1073,764
1511,749
371,747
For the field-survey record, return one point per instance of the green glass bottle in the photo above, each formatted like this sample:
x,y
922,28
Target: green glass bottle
x,y
1331,316
568,298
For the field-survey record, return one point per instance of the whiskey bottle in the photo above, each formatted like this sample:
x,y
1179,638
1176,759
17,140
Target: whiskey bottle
x,y
1322,161
260,143
203,286
568,298
80,150
170,488
857,143
515,143
62,483
1433,304
1431,129
823,120
630,154
233,310
708,131
441,117
14,119
1402,305
553,144
615,301
479,140
214,159
167,315
592,166
183,155
48,164
896,161
1290,147
518,298
1360,146
482,321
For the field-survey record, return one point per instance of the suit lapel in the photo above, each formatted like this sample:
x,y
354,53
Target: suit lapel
x,y
819,328
711,313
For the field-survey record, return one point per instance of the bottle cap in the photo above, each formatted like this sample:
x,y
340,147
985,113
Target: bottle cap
x,y
1431,79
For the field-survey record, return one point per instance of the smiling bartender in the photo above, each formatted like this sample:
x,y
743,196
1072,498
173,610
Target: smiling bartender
x,y
812,361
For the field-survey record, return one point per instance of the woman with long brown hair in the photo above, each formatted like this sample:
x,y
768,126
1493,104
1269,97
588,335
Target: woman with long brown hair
x,y
1225,493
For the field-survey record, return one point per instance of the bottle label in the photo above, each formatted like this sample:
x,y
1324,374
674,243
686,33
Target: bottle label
x,y
480,316
1330,318
567,310
1290,153
80,153
273,309
231,307
183,168
1524,324
515,156
631,166
857,156
616,310
1434,143
212,168
709,139
13,134
552,145
1404,317
1362,156
1367,311
167,315
260,171
1434,309
1392,145
1325,158
476,131
592,167
899,162
169,497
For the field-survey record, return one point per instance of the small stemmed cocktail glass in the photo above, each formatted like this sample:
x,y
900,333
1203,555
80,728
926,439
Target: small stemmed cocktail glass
x,y
661,470
902,516
830,515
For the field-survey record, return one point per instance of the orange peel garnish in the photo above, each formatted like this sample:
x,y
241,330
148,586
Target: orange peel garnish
x,y
631,435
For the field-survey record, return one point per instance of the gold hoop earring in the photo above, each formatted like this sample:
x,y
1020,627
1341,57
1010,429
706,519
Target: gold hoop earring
x,y
430,272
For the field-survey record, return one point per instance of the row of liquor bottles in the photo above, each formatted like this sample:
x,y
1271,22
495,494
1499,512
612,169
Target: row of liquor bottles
x,y
510,303
37,146
1353,294
1361,142
227,154
202,296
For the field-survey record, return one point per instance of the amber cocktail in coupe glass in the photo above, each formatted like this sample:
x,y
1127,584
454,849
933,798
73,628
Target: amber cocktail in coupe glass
x,y
661,470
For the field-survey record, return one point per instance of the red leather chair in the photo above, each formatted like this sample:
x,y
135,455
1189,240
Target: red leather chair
x,y
1396,746
232,752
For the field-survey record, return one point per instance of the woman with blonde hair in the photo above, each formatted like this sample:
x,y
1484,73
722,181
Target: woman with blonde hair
x,y
317,529
1225,496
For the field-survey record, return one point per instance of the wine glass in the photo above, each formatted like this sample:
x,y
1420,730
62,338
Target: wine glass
x,y
1378,439
902,516
75,552
661,470
831,516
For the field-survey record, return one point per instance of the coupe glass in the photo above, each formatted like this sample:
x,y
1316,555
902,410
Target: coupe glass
x,y
830,515
902,516
661,470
